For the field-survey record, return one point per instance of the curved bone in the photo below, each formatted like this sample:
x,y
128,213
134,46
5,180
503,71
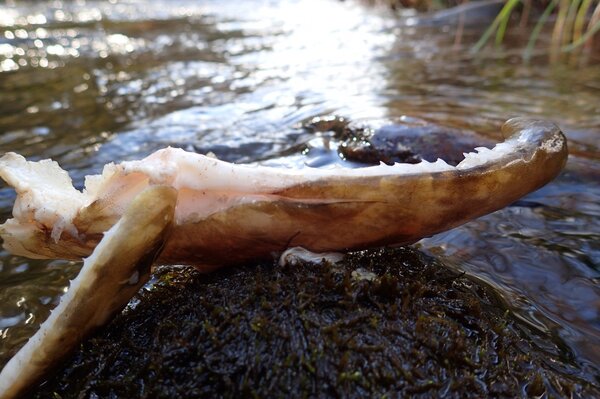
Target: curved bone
x,y
114,272
233,213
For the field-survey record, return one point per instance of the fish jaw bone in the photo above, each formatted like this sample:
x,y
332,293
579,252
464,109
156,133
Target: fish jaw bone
x,y
234,213
351,211
45,206
117,268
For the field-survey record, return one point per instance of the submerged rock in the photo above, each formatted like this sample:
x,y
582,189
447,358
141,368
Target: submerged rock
x,y
414,327
409,141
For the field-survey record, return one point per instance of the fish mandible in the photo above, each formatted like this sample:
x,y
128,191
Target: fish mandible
x,y
229,213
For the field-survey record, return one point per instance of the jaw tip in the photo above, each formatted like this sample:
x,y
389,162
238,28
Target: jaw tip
x,y
518,124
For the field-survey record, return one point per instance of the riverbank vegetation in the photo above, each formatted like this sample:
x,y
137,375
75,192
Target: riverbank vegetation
x,y
573,25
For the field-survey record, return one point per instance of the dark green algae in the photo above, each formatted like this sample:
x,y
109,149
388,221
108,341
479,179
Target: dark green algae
x,y
409,327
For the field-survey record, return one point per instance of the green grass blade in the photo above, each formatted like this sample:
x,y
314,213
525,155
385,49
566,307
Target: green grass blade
x,y
505,16
590,32
580,19
570,21
537,29
504,13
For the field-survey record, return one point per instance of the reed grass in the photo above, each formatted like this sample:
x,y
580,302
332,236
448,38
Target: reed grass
x,y
576,23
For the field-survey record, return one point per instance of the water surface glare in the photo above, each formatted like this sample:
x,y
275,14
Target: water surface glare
x,y
89,82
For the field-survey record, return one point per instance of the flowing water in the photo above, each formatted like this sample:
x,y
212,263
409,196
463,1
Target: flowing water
x,y
87,82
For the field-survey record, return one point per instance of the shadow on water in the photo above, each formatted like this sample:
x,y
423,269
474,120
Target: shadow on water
x,y
89,84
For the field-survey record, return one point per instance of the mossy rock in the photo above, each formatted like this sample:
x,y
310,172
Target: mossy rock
x,y
389,323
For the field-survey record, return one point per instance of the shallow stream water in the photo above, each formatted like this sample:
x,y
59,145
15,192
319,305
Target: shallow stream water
x,y
87,82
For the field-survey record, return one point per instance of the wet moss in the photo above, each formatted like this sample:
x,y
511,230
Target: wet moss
x,y
381,324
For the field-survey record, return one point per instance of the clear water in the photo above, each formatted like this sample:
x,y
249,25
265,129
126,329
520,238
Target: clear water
x,y
87,82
